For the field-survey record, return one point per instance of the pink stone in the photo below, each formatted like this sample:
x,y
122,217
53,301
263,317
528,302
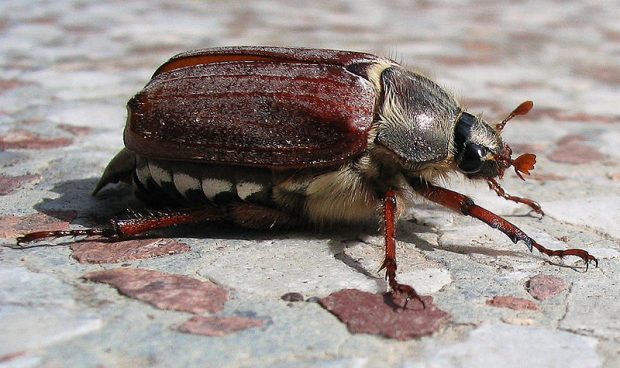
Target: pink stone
x,y
543,287
11,356
12,226
164,291
562,115
108,252
571,150
24,139
8,84
527,147
512,303
9,184
218,326
76,130
380,314
546,176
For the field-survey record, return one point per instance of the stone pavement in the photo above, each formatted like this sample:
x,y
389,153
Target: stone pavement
x,y
212,296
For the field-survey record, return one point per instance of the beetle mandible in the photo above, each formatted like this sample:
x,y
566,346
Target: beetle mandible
x,y
268,137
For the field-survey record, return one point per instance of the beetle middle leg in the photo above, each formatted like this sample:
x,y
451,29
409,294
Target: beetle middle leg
x,y
494,186
389,224
465,205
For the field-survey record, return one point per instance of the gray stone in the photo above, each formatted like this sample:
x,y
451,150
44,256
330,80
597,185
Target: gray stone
x,y
37,311
513,346
584,318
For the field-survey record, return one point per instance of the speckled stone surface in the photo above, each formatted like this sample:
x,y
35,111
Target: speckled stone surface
x,y
67,69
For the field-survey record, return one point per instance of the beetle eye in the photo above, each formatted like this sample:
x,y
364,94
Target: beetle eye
x,y
471,158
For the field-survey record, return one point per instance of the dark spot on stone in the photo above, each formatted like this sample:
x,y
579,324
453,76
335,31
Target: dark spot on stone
x,y
292,297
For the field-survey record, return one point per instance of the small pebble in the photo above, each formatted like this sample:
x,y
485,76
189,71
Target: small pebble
x,y
292,297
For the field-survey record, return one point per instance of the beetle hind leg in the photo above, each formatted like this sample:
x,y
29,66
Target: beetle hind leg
x,y
136,225
243,214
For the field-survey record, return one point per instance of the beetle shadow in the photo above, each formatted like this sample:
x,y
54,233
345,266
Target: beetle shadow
x,y
342,238
409,228
74,196
408,234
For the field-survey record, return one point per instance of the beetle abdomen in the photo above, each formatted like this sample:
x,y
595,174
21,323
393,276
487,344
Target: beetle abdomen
x,y
323,196
196,184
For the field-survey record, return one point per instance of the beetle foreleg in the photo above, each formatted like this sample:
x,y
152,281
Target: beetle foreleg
x,y
465,205
494,185
389,224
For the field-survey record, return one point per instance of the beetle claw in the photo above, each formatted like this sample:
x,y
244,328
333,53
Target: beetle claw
x,y
398,288
583,254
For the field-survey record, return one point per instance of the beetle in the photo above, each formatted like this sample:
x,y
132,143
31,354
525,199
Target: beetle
x,y
268,137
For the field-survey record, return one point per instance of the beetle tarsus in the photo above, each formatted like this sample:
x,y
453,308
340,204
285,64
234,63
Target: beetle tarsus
x,y
409,292
403,289
561,253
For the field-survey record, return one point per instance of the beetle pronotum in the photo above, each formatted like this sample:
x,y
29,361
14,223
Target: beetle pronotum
x,y
268,137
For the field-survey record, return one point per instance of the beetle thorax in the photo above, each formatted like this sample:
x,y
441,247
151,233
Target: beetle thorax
x,y
416,118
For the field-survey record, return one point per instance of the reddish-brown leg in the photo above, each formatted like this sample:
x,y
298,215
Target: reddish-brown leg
x,y
494,185
389,224
243,214
466,206
126,228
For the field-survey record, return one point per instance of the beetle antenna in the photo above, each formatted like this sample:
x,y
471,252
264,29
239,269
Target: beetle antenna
x,y
523,164
522,109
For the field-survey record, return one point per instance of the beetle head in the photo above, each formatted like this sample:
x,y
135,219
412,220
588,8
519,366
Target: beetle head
x,y
480,151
